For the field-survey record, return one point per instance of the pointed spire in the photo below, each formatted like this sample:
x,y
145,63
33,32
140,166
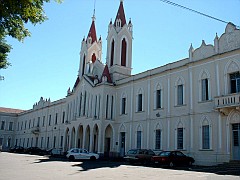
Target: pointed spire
x,y
120,15
106,74
92,32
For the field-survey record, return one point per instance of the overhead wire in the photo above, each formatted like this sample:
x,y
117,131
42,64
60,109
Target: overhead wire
x,y
192,10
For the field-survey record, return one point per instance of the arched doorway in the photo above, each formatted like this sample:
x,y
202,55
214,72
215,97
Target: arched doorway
x,y
122,140
80,137
87,138
95,138
73,138
66,140
108,140
233,125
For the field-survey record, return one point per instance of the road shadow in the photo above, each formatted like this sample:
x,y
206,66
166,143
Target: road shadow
x,y
85,165
219,170
89,165
44,159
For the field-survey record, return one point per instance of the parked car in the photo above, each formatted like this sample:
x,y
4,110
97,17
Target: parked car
x,y
172,158
55,152
36,151
142,156
76,153
17,149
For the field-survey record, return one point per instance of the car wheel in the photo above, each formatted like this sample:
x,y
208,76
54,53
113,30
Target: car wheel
x,y
190,163
92,158
171,165
71,158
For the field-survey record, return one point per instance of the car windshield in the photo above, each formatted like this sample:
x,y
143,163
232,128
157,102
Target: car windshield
x,y
132,152
167,153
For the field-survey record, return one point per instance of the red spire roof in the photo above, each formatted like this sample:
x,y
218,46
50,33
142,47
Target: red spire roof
x,y
107,74
92,32
121,15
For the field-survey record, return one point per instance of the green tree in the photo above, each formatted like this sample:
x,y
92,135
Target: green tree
x,y
14,14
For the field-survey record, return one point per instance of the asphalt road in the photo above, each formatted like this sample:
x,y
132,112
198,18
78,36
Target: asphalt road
x,y
32,167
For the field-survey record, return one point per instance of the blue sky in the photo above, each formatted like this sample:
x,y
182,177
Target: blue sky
x,y
46,64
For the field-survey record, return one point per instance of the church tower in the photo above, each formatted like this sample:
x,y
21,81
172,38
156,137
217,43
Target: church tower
x,y
91,50
119,46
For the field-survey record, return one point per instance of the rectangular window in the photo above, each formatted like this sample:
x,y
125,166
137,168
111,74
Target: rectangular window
x,y
22,125
180,138
29,124
107,108
56,118
27,142
158,139
33,122
49,120
25,126
139,139
36,143
61,141
140,102
158,99
43,121
2,125
38,122
205,94
47,142
123,105
205,137
10,126
235,82
180,94
63,117
41,142
54,141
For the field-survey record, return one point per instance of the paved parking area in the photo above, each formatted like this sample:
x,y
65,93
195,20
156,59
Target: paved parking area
x,y
29,167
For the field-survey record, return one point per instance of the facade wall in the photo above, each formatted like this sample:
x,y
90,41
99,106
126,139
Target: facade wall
x,y
180,103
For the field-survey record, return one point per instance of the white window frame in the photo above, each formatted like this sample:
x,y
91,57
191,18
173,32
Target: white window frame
x,y
205,121
180,81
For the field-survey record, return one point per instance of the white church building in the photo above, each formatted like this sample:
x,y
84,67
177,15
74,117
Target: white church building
x,y
191,105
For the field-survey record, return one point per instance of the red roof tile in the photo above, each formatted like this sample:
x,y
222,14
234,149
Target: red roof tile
x,y
107,74
10,110
121,15
92,32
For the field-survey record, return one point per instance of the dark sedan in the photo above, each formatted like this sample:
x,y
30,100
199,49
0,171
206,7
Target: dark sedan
x,y
36,151
142,156
17,149
172,158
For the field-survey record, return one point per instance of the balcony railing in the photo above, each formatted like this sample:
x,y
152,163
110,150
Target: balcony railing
x,y
227,101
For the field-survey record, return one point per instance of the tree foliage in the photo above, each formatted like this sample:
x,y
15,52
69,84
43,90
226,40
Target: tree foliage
x,y
14,14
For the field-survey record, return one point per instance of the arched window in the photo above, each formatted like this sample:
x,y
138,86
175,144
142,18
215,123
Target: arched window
x,y
139,101
123,106
204,89
158,137
180,136
112,103
139,137
158,97
124,52
112,53
205,133
179,91
83,64
94,58
107,107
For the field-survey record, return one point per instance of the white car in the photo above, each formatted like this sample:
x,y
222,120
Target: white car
x,y
77,153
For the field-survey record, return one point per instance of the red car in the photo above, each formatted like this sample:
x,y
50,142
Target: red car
x,y
172,158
